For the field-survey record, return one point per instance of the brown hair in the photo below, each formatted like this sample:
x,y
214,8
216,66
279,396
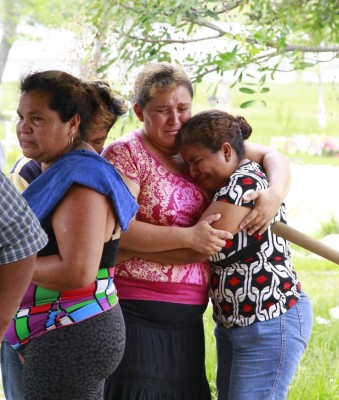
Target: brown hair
x,y
156,77
68,96
213,128
111,106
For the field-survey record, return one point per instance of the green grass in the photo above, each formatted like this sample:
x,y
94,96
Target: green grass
x,y
317,377
328,227
290,109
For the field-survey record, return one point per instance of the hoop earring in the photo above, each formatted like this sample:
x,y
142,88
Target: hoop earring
x,y
71,142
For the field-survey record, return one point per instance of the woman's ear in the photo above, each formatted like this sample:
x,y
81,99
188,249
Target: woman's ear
x,y
74,124
138,112
227,150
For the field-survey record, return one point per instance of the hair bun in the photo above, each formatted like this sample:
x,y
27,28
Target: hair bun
x,y
245,127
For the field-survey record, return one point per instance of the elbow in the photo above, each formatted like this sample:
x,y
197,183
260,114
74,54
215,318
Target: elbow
x,y
80,278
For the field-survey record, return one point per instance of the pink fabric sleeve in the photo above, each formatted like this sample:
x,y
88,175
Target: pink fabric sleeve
x,y
121,156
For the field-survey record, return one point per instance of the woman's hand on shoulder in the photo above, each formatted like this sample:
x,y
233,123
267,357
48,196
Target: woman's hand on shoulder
x,y
206,239
267,204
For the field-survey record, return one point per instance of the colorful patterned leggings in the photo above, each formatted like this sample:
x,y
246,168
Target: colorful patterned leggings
x,y
71,363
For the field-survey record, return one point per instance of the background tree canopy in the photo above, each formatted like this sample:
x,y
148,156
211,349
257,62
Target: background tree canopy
x,y
249,38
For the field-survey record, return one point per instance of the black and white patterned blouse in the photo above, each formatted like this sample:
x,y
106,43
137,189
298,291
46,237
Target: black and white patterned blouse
x,y
252,277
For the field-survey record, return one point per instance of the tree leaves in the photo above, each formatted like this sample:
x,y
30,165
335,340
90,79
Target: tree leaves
x,y
217,36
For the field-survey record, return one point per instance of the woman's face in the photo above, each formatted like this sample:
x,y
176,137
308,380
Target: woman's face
x,y
164,115
209,170
41,133
97,139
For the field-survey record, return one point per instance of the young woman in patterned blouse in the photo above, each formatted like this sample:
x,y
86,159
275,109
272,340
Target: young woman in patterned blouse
x,y
263,319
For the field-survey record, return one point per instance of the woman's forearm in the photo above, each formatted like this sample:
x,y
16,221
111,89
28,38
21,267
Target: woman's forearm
x,y
267,201
278,171
149,238
142,236
179,256
275,164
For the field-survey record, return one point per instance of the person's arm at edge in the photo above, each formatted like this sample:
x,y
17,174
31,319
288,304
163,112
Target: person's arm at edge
x,y
20,243
267,201
14,280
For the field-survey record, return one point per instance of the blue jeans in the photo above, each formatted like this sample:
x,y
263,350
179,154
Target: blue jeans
x,y
258,361
11,370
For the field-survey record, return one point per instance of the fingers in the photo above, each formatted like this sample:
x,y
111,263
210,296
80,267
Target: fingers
x,y
259,227
225,235
218,240
206,239
261,216
250,220
254,223
212,218
215,248
251,196
264,227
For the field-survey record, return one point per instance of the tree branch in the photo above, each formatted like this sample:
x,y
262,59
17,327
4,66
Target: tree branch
x,y
226,7
287,48
310,49
173,41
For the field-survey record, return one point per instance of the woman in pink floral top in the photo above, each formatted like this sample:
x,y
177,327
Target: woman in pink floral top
x,y
163,302
166,199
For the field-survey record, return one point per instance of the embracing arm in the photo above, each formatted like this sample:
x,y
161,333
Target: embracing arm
x,y
178,256
146,237
267,201
80,223
227,223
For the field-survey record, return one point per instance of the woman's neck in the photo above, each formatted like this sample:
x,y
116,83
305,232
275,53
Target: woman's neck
x,y
169,156
156,148
81,145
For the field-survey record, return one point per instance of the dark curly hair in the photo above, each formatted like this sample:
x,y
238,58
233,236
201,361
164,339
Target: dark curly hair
x,y
212,128
112,106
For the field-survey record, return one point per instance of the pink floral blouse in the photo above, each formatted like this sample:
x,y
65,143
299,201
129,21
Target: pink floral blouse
x,y
165,199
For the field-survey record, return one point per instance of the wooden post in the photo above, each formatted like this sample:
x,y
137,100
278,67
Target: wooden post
x,y
305,241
